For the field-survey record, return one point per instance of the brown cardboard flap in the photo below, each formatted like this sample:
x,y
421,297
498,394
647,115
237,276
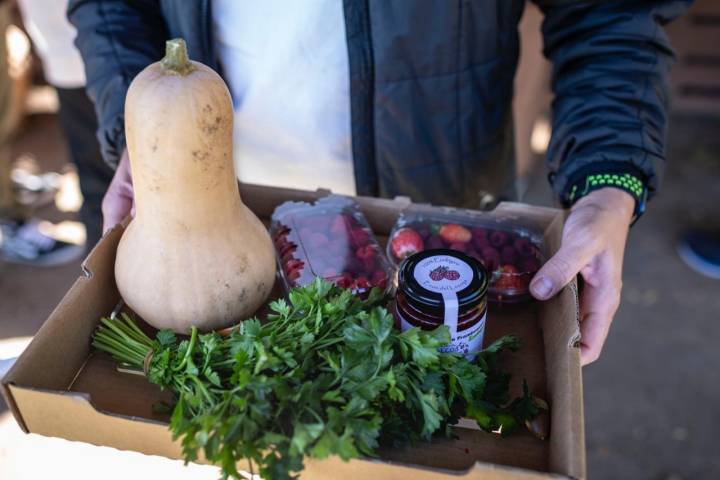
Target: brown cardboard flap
x,y
559,320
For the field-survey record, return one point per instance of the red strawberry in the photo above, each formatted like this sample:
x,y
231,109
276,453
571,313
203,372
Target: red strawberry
x,y
452,275
438,274
452,232
406,242
510,279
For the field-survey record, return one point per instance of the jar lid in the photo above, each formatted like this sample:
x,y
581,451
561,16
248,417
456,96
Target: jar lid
x,y
425,277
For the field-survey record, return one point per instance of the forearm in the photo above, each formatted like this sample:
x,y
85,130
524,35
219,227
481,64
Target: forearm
x,y
611,62
117,39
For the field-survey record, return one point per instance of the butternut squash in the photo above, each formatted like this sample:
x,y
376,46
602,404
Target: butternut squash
x,y
194,254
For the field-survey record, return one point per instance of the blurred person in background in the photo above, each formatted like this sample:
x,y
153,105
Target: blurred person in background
x,y
52,36
700,250
414,98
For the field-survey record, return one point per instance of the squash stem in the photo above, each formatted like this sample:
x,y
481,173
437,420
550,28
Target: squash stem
x,y
176,60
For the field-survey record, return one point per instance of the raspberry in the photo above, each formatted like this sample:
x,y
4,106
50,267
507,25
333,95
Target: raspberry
x,y
499,238
490,258
452,275
379,279
480,242
530,265
524,247
359,237
366,252
479,233
438,274
460,247
508,255
435,242
362,283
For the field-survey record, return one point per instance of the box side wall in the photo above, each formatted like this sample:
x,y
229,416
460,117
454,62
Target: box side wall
x,y
62,344
559,319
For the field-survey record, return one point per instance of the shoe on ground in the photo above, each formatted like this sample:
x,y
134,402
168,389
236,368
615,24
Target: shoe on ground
x,y
25,243
701,252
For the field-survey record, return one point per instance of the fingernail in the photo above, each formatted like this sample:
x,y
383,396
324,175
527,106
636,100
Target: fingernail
x,y
542,287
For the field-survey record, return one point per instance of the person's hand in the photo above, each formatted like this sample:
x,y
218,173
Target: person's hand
x,y
593,244
118,200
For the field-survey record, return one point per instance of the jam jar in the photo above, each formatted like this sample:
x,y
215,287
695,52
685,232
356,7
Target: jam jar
x,y
444,287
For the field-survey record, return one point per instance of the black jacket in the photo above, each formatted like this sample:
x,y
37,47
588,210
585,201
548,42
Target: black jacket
x,y
432,84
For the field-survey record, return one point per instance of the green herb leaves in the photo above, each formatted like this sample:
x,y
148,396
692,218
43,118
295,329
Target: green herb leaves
x,y
327,374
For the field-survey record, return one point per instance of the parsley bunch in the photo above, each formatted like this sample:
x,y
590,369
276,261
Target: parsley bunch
x,y
326,374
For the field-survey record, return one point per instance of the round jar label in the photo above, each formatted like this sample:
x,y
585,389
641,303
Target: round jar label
x,y
443,274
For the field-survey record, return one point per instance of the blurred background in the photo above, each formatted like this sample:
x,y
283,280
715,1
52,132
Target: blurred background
x,y
652,402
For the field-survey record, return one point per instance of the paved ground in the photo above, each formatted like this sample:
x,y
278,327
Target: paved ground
x,y
651,402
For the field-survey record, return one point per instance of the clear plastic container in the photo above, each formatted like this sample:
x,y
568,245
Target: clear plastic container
x,y
509,249
329,239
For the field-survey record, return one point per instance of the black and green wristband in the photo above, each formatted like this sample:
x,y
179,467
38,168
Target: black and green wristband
x,y
628,182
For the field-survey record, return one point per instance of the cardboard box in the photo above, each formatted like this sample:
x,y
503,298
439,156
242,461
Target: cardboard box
x,y
60,388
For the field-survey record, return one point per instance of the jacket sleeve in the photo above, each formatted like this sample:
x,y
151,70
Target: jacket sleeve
x,y
611,62
117,39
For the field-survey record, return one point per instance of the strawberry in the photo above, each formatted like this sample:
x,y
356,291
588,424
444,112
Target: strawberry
x,y
452,275
452,232
406,242
510,279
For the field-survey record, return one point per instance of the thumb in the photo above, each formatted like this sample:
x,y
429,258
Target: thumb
x,y
560,270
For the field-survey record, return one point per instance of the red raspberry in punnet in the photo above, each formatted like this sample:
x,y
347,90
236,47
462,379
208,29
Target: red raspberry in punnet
x,y
359,236
361,283
530,265
525,247
508,255
366,252
452,232
435,242
490,258
379,279
480,242
499,238
405,242
459,246
479,233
